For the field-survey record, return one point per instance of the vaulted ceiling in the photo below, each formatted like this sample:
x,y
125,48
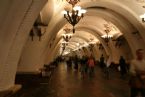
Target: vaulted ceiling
x,y
24,21
121,16
19,23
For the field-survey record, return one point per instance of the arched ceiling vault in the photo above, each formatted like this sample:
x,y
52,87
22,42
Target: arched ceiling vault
x,y
87,20
112,11
72,42
94,32
94,17
86,38
127,10
98,4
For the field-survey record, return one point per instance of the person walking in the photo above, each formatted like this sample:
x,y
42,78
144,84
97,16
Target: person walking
x,y
83,66
123,68
76,60
91,65
102,62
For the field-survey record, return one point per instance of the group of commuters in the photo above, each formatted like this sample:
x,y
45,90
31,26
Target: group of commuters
x,y
136,70
136,73
105,63
86,66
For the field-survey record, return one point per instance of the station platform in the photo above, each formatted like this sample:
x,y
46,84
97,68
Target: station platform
x,y
67,82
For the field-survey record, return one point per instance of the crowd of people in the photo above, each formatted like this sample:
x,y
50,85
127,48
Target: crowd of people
x,y
85,64
136,70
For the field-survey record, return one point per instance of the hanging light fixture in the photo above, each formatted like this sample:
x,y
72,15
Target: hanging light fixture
x,y
63,46
107,36
74,16
73,2
64,43
92,42
68,35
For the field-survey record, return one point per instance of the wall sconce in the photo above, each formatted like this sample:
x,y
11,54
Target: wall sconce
x,y
118,41
39,33
118,44
36,31
32,34
143,17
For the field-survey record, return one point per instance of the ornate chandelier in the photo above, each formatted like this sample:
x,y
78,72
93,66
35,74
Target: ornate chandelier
x,y
74,16
73,2
107,36
67,36
63,45
91,43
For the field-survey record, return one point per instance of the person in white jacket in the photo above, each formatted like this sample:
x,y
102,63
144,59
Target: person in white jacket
x,y
137,72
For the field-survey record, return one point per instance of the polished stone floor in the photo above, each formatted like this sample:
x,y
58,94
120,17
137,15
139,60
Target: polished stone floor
x,y
66,82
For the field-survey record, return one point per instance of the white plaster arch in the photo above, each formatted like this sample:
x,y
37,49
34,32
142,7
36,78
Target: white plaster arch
x,y
115,4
